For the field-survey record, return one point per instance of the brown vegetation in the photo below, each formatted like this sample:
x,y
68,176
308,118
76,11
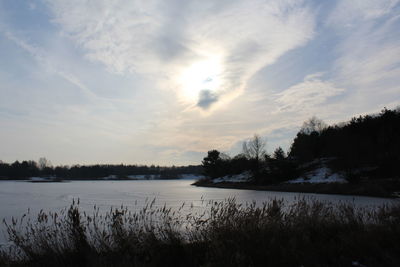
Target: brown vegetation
x,y
306,233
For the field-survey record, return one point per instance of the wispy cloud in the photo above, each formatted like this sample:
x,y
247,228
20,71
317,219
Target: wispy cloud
x,y
309,94
350,13
47,62
165,39
368,59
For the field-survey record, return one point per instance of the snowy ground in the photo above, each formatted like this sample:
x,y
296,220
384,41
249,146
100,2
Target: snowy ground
x,y
38,179
191,177
134,177
239,178
42,179
320,175
144,177
155,177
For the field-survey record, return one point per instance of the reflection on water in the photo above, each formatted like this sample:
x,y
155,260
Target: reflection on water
x,y
17,197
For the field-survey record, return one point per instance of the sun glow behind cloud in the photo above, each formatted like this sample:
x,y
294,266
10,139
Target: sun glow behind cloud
x,y
201,76
162,39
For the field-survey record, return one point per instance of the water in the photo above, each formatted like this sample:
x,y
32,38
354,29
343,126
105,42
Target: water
x,y
16,197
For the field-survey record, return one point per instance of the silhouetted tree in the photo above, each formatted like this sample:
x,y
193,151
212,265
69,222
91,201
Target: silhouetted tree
x,y
364,141
367,141
313,125
212,164
279,154
254,148
28,169
44,163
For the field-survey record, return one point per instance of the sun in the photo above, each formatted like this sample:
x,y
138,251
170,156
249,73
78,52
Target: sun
x,y
201,75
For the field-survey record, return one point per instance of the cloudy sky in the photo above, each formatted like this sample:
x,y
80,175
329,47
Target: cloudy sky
x,y
102,81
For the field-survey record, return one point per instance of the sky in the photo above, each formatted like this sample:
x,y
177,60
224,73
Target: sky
x,y
164,81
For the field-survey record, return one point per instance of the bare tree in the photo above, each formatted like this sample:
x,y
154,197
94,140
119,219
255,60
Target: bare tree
x,y
44,163
313,125
254,148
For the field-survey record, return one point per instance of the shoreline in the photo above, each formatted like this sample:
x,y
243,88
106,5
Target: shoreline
x,y
368,189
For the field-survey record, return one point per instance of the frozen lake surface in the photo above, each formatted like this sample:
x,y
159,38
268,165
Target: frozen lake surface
x,y
16,197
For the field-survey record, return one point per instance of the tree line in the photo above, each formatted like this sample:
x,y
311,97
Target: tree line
x,y
263,167
44,168
364,146
365,142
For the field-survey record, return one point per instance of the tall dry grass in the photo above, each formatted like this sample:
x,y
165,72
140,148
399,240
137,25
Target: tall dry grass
x,y
306,233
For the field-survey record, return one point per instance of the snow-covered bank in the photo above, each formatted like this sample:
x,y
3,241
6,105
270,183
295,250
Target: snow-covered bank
x,y
319,172
238,178
44,179
154,177
144,177
191,177
320,175
133,177
38,179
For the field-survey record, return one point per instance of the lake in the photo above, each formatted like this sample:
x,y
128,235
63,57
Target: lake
x,y
16,197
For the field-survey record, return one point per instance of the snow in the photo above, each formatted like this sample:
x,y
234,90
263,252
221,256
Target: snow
x,y
396,194
319,161
144,176
38,179
110,177
191,176
155,177
356,263
320,175
42,179
238,178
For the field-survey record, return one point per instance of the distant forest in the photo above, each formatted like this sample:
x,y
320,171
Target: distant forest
x,y
43,168
366,147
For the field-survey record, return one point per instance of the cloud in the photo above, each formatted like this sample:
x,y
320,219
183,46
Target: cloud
x,y
363,75
162,40
47,62
309,94
32,5
351,13
368,56
206,98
